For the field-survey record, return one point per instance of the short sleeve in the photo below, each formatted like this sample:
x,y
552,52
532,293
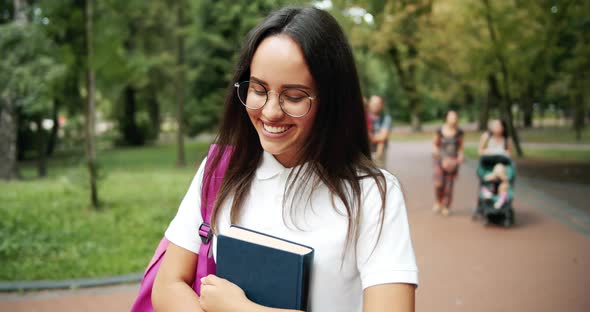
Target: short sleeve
x,y
183,229
438,137
460,135
386,122
389,257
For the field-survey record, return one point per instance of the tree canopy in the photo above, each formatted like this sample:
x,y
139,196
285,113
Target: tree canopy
x,y
165,65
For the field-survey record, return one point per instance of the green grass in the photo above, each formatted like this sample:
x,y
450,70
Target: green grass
x,y
563,155
536,135
470,136
553,135
49,232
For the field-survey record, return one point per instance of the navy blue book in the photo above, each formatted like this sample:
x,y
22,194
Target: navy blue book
x,y
273,272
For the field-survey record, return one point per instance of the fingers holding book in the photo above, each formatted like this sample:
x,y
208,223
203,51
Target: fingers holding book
x,y
221,295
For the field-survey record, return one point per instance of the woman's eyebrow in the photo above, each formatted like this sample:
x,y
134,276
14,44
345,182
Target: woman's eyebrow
x,y
285,86
297,86
260,81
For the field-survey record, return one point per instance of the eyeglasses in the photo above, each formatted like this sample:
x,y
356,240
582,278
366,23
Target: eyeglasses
x,y
293,101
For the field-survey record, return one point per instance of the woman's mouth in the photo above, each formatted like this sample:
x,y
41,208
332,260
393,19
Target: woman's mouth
x,y
275,129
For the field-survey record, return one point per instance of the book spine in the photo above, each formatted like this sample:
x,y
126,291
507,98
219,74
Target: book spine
x,y
300,284
307,261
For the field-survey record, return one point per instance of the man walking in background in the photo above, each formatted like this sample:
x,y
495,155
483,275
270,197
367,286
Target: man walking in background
x,y
381,126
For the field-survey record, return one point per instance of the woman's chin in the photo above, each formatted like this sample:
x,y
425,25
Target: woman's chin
x,y
273,148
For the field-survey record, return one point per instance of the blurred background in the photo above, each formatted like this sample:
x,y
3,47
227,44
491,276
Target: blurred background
x,y
107,107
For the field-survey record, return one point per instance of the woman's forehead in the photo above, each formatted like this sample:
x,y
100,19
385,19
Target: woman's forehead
x,y
279,60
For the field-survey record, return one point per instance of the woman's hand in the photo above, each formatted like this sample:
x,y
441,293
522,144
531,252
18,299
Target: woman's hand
x,y
221,295
483,142
435,154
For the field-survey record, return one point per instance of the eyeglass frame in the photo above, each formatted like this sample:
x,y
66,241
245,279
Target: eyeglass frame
x,y
311,98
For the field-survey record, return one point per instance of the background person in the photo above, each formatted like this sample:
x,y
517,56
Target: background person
x,y
496,141
447,154
381,124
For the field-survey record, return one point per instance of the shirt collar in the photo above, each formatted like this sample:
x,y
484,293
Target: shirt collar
x,y
269,167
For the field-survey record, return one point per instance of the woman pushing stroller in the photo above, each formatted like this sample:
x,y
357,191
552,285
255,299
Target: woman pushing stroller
x,y
496,173
496,140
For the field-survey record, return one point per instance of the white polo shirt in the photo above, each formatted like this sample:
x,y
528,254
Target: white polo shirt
x,y
337,283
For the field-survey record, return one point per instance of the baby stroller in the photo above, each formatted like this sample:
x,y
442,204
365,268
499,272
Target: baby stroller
x,y
487,204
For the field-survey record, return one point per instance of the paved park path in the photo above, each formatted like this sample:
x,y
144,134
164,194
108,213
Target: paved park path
x,y
542,264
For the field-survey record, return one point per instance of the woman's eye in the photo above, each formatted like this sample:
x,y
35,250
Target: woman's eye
x,y
294,96
258,91
294,99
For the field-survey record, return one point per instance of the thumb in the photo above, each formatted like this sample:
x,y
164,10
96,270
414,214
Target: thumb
x,y
210,279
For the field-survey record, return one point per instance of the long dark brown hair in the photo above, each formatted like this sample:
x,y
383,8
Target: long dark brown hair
x,y
337,153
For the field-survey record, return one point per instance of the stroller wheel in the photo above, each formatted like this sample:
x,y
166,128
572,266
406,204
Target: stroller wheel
x,y
507,223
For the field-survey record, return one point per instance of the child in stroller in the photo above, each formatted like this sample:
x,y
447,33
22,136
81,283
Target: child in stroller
x,y
496,175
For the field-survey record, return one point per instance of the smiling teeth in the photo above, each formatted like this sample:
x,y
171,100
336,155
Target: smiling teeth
x,y
272,129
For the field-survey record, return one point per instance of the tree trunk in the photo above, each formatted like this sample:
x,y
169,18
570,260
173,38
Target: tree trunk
x,y
579,111
407,78
54,130
527,114
506,99
154,113
131,133
492,100
20,15
412,90
415,114
484,114
179,86
468,104
528,107
90,109
9,118
40,141
8,136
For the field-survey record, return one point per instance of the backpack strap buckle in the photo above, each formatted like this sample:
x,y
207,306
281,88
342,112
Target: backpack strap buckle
x,y
205,232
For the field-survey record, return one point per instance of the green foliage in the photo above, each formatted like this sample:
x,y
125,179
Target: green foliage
x,y
447,44
135,64
30,71
423,57
48,231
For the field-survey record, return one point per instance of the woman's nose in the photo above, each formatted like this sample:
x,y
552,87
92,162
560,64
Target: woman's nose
x,y
272,110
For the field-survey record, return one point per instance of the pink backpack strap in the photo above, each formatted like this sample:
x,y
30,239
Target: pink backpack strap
x,y
212,180
206,264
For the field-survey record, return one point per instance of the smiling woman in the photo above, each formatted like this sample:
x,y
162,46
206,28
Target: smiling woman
x,y
295,124
280,65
